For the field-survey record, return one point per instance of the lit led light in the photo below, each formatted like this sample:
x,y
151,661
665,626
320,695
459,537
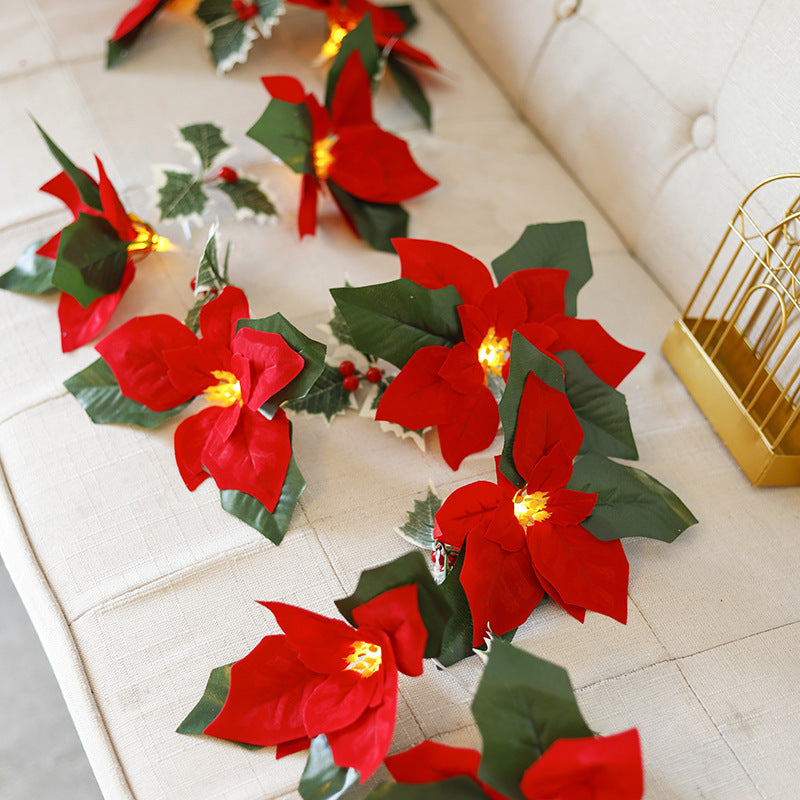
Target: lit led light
x,y
337,33
365,659
493,353
530,508
147,240
225,393
322,156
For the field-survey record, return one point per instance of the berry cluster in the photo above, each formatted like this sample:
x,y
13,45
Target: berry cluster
x,y
244,10
352,379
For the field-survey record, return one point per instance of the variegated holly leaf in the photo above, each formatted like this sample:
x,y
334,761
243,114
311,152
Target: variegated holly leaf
x,y
181,197
207,140
209,279
248,198
327,396
418,527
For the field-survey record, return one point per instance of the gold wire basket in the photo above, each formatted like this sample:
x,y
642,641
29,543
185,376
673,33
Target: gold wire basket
x,y
736,345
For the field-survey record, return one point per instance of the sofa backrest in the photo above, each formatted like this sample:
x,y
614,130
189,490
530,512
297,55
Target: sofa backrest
x,y
666,111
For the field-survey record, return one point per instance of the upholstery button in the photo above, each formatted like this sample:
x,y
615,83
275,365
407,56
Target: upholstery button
x,y
704,130
565,8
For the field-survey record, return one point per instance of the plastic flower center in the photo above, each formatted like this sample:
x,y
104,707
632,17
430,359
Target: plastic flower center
x,y
493,353
530,508
323,157
337,33
225,393
365,659
147,240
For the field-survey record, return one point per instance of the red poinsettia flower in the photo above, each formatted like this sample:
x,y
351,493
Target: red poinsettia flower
x,y
160,363
81,324
324,676
523,543
592,768
447,387
348,148
387,27
136,16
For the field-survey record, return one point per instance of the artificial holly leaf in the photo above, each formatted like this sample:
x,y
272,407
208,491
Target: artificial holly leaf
x,y
32,274
97,391
359,39
209,279
206,138
377,223
118,48
522,705
410,88
395,319
461,788
629,501
418,527
322,779
338,326
327,396
285,129
91,259
181,197
559,245
248,198
410,568
272,525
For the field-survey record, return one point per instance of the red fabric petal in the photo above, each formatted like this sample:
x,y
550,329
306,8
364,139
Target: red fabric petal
x,y
475,324
62,187
473,430
190,439
543,290
135,353
338,701
190,368
604,355
219,316
506,308
552,471
269,689
435,264
578,612
284,749
584,570
352,98
80,325
505,528
284,87
462,370
135,17
307,214
468,509
600,768
568,507
113,209
253,458
50,248
401,47
540,335
384,20
429,762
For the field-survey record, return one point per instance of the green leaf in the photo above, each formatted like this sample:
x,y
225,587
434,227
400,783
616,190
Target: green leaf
x,y
600,409
461,788
629,501
322,779
181,196
377,223
419,524
206,138
411,568
406,14
525,358
247,196
285,129
87,188
271,525
32,273
119,48
91,259
229,37
410,88
327,396
209,275
339,329
359,39
98,392
522,705
559,245
395,319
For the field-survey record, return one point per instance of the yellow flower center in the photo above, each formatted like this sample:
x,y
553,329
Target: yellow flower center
x,y
147,240
530,508
322,156
493,353
225,393
365,659
337,33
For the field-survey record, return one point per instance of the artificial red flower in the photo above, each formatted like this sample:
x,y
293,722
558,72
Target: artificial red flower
x,y
523,543
447,387
160,363
137,16
324,676
348,148
592,768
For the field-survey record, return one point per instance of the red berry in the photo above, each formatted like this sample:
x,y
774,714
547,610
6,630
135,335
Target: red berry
x,y
237,5
350,383
347,368
374,374
246,11
227,174
193,283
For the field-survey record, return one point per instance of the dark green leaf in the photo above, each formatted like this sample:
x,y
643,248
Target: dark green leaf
x,y
359,39
192,318
32,273
248,197
522,705
406,14
327,396
85,185
525,358
98,392
412,568
395,319
600,409
377,223
285,129
210,12
629,501
461,788
339,328
271,525
119,48
410,88
91,259
181,196
206,138
559,245
322,779
418,527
